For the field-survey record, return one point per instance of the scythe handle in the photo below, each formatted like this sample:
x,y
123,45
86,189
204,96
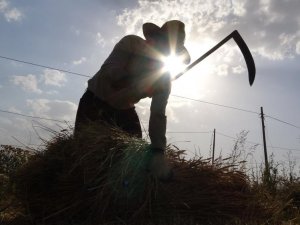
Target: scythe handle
x,y
205,55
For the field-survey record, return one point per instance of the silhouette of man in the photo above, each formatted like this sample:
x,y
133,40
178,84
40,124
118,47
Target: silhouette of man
x,y
134,70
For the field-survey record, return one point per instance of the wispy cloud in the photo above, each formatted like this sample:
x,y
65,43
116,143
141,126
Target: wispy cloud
x,y
79,61
100,40
114,39
298,47
238,69
222,70
13,15
3,5
10,13
30,82
14,109
52,92
55,109
75,30
27,83
54,77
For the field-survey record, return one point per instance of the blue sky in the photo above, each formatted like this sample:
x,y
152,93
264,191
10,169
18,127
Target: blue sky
x,y
78,36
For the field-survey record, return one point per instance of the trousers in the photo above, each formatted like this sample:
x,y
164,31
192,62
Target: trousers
x,y
93,109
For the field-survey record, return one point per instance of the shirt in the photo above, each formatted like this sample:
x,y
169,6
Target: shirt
x,y
134,70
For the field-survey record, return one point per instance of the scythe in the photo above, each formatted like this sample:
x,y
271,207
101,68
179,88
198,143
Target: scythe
x,y
243,47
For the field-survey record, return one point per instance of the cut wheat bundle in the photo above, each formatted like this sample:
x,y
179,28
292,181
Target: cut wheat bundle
x,y
101,175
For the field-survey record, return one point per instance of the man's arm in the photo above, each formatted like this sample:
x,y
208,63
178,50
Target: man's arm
x,y
158,119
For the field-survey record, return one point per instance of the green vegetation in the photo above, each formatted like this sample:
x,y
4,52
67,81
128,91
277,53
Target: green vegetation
x,y
101,177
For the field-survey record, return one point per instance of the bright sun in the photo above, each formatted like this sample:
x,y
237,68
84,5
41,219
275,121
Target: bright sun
x,y
195,83
173,64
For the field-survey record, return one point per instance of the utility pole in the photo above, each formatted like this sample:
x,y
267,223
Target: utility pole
x,y
214,143
267,169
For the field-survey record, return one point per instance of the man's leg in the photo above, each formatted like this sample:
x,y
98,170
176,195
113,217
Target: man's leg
x,y
87,111
92,109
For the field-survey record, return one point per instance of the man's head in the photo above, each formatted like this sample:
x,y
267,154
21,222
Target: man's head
x,y
171,35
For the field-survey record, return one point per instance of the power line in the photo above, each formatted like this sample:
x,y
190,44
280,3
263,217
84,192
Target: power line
x,y
43,66
290,124
83,75
60,121
282,148
33,117
224,135
216,104
206,102
188,132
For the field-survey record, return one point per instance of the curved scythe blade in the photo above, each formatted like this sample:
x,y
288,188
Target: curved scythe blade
x,y
247,55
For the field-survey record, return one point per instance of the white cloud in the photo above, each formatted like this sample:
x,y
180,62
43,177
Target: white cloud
x,y
172,110
3,5
75,30
55,109
100,40
52,92
27,83
278,21
79,61
14,109
4,121
49,77
239,7
54,77
13,15
222,70
17,128
238,69
298,47
10,13
175,108
114,39
275,55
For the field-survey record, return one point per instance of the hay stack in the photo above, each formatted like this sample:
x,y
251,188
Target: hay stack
x,y
101,176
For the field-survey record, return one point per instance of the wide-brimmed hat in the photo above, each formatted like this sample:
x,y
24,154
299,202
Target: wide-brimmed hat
x,y
173,31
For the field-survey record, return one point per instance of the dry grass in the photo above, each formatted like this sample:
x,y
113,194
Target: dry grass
x,y
101,177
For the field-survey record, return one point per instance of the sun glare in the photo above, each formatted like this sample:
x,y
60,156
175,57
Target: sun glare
x,y
197,80
173,64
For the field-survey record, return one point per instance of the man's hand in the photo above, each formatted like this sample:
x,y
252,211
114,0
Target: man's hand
x,y
159,166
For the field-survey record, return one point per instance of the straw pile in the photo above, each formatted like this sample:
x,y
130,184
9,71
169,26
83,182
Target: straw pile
x,y
101,176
